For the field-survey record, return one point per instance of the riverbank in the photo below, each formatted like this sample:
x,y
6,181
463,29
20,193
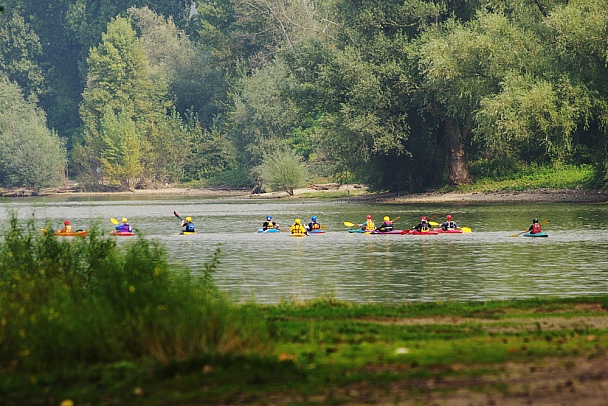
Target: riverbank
x,y
353,192
542,352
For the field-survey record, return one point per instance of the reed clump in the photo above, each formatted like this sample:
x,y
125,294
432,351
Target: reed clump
x,y
67,302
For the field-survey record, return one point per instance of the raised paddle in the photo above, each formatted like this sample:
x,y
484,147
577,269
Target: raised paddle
x,y
525,231
177,215
114,221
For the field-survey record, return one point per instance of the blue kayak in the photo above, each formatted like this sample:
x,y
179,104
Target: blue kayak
x,y
536,235
270,230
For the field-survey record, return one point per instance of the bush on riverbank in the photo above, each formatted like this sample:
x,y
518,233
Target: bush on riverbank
x,y
88,300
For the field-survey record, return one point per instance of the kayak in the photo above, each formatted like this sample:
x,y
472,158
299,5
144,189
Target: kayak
x,y
358,230
416,232
122,233
386,232
72,234
541,234
452,231
297,235
270,230
316,232
59,233
187,232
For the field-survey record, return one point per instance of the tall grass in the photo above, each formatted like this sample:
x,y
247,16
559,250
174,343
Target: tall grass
x,y
491,176
66,302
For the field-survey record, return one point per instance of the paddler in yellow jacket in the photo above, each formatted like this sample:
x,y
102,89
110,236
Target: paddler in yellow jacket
x,y
369,224
298,228
67,227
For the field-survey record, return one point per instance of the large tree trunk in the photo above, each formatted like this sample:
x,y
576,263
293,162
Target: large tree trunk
x,y
458,169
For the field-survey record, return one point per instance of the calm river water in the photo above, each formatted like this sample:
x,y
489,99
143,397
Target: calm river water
x,y
485,264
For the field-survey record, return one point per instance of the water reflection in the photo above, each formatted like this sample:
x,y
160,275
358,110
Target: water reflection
x,y
483,265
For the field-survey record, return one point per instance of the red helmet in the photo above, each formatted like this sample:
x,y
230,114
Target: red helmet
x,y
423,218
369,216
449,217
67,222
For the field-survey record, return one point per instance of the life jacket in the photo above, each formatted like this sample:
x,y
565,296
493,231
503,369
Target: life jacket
x,y
387,226
66,229
124,227
536,228
268,225
314,226
424,226
369,225
451,225
297,229
189,227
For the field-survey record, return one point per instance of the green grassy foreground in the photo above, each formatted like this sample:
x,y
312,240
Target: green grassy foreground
x,y
87,321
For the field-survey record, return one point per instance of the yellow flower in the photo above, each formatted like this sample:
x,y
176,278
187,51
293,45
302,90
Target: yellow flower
x,y
131,288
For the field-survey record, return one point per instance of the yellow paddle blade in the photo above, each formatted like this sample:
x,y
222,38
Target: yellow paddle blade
x,y
465,229
113,220
323,226
434,224
349,224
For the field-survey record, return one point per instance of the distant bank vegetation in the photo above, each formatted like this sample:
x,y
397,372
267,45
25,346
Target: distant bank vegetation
x,y
398,95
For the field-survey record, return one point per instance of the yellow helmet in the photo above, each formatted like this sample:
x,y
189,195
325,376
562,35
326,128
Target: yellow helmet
x,y
124,220
297,221
188,218
386,218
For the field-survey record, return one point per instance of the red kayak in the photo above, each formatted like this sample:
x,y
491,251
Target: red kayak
x,y
122,233
453,231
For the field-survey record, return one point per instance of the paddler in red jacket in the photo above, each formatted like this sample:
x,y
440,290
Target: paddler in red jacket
x,y
535,228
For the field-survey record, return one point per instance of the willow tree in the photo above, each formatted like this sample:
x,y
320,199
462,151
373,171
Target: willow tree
x,y
463,63
31,155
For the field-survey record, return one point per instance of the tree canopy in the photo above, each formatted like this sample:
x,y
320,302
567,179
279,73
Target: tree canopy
x,y
401,95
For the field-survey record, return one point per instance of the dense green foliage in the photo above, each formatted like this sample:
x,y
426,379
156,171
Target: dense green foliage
x,y
31,155
399,94
88,300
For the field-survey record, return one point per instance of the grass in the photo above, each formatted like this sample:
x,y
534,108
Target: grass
x,y
489,179
88,321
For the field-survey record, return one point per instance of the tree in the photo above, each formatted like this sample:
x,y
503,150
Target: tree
x,y
118,81
31,155
19,55
282,169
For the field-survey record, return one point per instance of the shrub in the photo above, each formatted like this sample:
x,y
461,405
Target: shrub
x,y
66,302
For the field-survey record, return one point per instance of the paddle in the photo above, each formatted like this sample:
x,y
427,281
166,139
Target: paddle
x,y
177,215
465,229
349,224
525,231
114,221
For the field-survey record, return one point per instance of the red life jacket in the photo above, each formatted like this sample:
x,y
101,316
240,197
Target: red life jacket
x,y
536,228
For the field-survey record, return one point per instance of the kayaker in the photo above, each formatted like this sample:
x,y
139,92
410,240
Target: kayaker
x,y
449,224
67,227
124,226
535,228
387,225
189,226
269,224
423,225
314,224
298,228
369,224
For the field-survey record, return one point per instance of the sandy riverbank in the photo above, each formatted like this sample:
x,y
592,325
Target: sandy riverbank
x,y
359,193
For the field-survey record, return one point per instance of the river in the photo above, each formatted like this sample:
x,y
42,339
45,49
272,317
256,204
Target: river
x,y
485,264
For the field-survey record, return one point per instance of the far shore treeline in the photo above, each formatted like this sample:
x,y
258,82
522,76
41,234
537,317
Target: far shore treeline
x,y
400,95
